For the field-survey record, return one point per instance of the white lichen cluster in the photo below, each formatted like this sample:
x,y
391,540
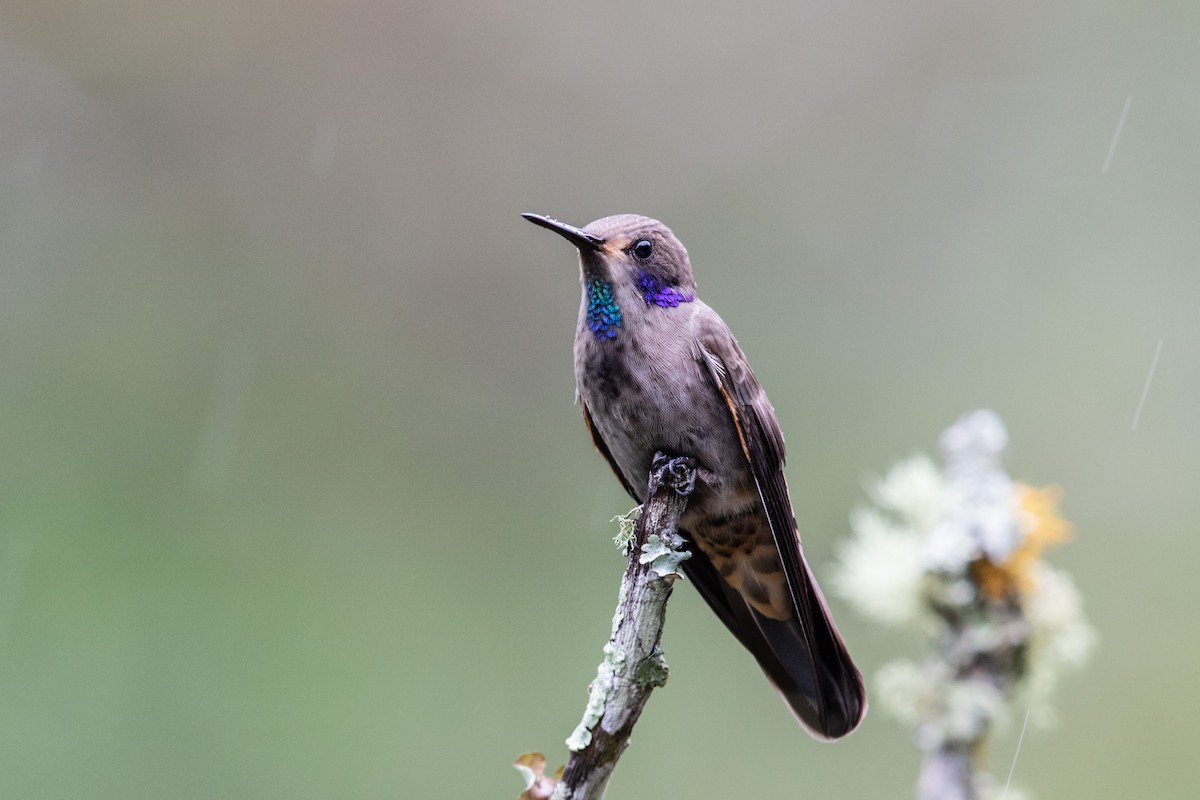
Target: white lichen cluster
x,y
598,693
626,528
663,554
953,552
1060,637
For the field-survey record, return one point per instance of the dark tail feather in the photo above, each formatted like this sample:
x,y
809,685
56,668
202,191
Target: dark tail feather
x,y
828,697
820,683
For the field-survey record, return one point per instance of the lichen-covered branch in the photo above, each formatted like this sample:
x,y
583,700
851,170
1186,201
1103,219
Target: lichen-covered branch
x,y
633,662
955,554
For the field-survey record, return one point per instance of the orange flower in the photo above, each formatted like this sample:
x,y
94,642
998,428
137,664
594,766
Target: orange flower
x,y
1037,514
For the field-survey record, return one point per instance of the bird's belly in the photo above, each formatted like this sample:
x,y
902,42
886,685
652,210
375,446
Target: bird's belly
x,y
640,411
639,407
724,516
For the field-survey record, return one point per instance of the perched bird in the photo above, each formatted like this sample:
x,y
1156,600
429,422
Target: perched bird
x,y
657,370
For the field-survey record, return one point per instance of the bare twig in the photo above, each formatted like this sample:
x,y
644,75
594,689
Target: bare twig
x,y
633,663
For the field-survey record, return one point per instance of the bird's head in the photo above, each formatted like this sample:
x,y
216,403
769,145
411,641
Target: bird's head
x,y
630,252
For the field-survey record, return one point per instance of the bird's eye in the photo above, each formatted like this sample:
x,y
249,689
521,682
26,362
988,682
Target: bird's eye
x,y
643,249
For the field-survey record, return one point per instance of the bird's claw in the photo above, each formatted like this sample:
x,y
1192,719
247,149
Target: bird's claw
x,y
677,472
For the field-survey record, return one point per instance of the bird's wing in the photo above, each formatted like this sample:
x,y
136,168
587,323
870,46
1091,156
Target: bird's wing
x,y
604,451
808,645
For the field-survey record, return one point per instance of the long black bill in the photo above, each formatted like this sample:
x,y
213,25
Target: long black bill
x,y
576,236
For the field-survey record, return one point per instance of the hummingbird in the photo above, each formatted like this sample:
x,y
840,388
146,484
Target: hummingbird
x,y
658,370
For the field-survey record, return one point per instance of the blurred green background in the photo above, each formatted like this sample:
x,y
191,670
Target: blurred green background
x,y
296,503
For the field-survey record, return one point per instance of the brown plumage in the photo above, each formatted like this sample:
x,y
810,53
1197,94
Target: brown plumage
x,y
658,370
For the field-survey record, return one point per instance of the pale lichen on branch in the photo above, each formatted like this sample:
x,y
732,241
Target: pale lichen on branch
x,y
633,664
954,553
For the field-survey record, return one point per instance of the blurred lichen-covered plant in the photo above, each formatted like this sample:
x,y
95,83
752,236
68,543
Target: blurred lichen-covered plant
x,y
955,554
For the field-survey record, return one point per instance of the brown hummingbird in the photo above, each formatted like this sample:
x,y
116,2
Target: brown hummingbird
x,y
658,370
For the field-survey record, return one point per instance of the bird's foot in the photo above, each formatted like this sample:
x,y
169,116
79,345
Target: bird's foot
x,y
678,472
